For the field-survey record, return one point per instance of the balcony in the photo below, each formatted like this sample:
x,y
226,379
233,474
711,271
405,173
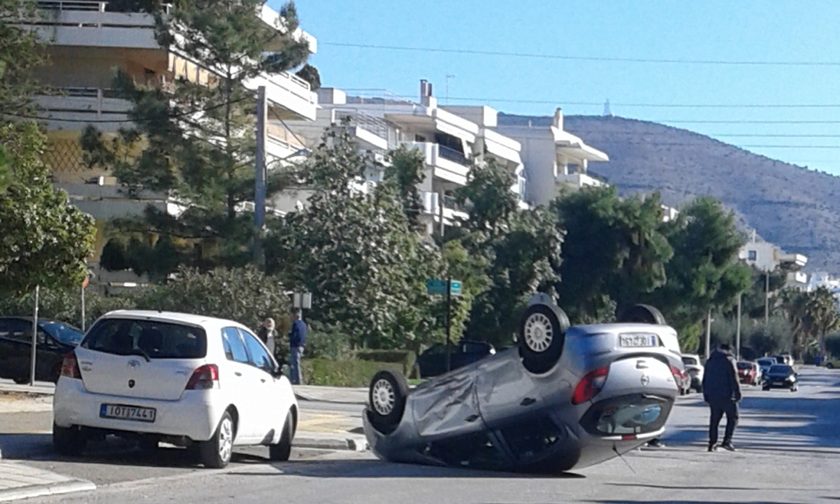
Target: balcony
x,y
578,180
70,109
446,164
108,202
90,24
290,96
453,212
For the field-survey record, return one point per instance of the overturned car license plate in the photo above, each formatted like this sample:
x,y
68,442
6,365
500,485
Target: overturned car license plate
x,y
126,412
637,340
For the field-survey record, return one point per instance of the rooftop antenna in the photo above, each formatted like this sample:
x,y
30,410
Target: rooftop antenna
x,y
448,76
607,111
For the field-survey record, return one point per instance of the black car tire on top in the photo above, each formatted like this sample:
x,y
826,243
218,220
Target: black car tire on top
x,y
644,314
386,397
542,334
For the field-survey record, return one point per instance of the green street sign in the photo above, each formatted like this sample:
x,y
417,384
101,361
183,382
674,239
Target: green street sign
x,y
437,286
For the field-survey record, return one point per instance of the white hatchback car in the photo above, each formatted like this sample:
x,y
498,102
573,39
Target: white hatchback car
x,y
189,380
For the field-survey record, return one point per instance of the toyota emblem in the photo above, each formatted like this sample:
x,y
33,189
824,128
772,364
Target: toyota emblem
x,y
130,383
645,380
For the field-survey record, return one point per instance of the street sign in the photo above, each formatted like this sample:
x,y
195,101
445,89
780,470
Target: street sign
x,y
302,300
437,286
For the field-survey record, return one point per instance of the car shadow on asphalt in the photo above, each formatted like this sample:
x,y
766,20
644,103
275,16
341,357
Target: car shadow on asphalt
x,y
372,468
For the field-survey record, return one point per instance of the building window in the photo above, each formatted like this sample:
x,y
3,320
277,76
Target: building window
x,y
752,255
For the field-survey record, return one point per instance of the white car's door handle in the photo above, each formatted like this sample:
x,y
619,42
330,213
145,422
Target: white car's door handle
x,y
237,373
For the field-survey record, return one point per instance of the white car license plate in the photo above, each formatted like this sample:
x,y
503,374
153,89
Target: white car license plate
x,y
636,340
126,412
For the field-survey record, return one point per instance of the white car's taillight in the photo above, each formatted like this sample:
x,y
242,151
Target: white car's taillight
x,y
590,385
70,366
204,377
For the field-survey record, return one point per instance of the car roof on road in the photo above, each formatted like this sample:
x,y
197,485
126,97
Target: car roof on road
x,y
166,316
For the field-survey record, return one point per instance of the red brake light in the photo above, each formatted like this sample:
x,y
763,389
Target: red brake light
x,y
204,377
70,366
590,385
677,372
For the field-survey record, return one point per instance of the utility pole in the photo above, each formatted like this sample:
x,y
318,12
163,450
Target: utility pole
x,y
34,337
708,333
738,329
259,189
448,323
766,297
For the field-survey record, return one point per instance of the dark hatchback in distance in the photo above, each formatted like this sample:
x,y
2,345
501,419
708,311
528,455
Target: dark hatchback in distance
x,y
432,362
55,339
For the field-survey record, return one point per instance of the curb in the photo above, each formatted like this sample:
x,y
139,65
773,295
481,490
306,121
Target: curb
x,y
301,397
64,487
358,444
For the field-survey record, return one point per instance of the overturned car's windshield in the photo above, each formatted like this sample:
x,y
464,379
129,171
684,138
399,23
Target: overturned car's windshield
x,y
148,338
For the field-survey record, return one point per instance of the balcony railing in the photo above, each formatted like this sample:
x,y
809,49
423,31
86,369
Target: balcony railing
x,y
83,5
362,120
452,155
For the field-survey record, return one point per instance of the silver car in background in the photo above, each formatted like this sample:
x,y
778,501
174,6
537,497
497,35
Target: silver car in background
x,y
566,397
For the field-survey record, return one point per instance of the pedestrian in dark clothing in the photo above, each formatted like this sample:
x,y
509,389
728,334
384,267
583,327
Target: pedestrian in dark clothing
x,y
722,391
266,333
297,342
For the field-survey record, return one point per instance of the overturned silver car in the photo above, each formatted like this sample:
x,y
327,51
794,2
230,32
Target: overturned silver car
x,y
566,397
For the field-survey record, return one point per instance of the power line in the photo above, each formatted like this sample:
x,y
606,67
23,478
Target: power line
x,y
611,59
654,105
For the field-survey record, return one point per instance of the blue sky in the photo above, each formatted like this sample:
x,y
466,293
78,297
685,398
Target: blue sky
x,y
801,33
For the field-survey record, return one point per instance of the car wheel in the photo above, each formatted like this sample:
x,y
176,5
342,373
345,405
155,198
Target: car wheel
x,y
216,452
643,314
830,365
21,381
280,452
386,397
765,388
68,440
542,333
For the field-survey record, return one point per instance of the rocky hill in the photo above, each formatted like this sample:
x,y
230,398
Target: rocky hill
x,y
791,206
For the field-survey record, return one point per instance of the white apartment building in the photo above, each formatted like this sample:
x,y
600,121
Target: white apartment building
x,y
554,159
767,257
451,139
86,43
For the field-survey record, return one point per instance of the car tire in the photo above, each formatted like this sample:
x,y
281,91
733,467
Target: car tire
x,y
68,440
643,314
21,381
386,399
216,452
281,451
830,365
542,335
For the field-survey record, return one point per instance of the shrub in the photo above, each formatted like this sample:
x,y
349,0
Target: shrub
x,y
406,358
327,343
242,294
343,373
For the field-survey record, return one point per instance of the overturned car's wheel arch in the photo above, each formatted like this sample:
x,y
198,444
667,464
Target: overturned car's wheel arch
x,y
386,400
542,334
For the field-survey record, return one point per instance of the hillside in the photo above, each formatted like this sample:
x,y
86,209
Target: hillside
x,y
796,208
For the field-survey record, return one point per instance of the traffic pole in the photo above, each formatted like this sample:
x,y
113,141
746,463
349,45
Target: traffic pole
x,y
448,324
34,338
260,179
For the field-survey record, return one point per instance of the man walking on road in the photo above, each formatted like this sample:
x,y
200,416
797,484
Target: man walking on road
x,y
297,341
722,391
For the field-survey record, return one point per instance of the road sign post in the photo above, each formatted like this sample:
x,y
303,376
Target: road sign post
x,y
448,288
448,324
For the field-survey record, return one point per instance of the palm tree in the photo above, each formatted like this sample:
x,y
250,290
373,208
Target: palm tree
x,y
823,314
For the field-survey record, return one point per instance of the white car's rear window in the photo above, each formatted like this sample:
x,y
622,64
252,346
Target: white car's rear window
x,y
148,338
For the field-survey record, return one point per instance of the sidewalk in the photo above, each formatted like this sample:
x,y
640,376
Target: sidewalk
x,y
18,481
338,395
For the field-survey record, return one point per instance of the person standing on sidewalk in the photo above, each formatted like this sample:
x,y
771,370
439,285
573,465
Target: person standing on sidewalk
x,y
266,333
722,391
297,342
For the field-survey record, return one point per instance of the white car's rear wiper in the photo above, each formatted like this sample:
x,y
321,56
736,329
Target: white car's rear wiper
x,y
141,353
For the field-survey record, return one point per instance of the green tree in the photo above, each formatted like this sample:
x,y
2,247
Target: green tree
x,y
614,253
20,53
704,272
44,240
356,253
196,141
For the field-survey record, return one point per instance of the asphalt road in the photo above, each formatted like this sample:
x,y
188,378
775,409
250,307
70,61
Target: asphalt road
x,y
789,451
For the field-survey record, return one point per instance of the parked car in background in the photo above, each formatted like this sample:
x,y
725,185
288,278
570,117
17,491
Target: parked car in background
x,y
764,365
54,340
565,397
781,376
683,380
184,379
432,361
749,373
784,359
694,369
832,363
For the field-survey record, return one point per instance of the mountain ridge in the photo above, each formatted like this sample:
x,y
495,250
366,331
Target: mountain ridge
x,y
786,204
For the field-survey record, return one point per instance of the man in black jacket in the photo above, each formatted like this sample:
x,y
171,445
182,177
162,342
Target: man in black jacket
x,y
722,391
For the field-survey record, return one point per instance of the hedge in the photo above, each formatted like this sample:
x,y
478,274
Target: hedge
x,y
344,373
406,358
